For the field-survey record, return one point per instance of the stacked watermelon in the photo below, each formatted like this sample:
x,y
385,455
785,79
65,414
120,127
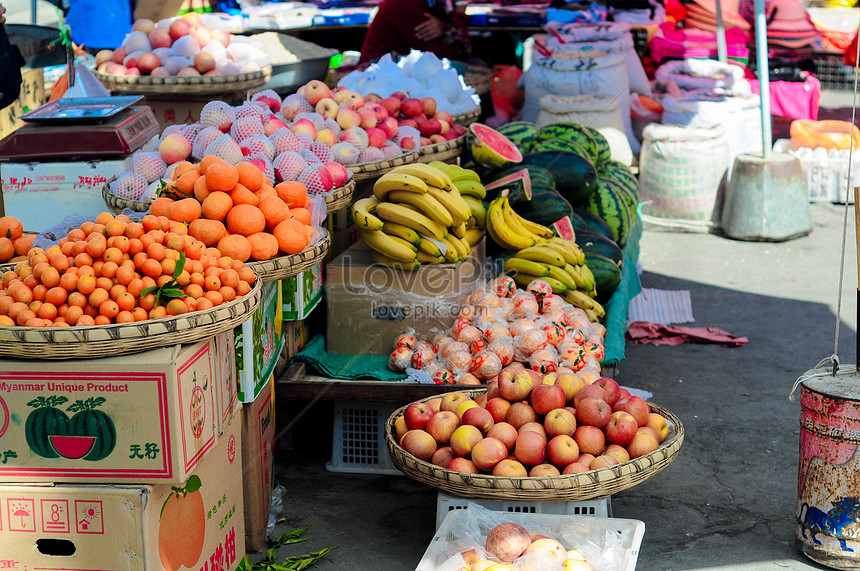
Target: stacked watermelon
x,y
572,173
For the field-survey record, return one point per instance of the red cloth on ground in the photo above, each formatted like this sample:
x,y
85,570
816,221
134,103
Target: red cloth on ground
x,y
393,30
657,334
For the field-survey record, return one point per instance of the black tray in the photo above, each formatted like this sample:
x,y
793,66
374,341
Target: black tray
x,y
77,110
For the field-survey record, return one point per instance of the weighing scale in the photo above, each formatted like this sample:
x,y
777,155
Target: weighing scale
x,y
82,128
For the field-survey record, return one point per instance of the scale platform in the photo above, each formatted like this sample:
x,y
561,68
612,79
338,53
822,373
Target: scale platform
x,y
82,128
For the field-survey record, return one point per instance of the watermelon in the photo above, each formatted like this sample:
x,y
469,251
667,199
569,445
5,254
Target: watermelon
x,y
519,133
519,183
631,197
610,204
594,243
97,424
602,151
491,148
559,145
586,221
41,424
620,173
547,206
607,275
578,134
575,176
538,175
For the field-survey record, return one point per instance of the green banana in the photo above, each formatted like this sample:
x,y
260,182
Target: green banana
x,y
464,174
569,257
577,277
390,246
526,267
541,253
401,231
581,300
588,277
559,274
479,210
472,188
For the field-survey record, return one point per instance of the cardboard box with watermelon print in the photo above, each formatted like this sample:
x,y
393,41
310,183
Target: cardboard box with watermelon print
x,y
197,524
259,342
145,418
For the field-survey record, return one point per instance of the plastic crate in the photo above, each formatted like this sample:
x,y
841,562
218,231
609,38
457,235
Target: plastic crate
x,y
600,507
629,533
832,72
358,438
826,173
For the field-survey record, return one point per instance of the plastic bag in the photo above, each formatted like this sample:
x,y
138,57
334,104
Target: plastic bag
x,y
275,508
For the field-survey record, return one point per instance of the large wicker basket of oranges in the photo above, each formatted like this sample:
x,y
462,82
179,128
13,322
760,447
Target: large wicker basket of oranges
x,y
114,286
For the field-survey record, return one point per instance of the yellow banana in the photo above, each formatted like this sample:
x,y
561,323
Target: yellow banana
x,y
568,256
431,175
458,230
523,280
474,236
453,203
461,247
448,250
425,203
588,277
581,300
540,253
410,217
559,274
390,246
501,232
535,228
425,258
401,231
362,214
472,188
397,181
464,174
479,211
576,275
467,247
392,263
571,247
430,247
526,267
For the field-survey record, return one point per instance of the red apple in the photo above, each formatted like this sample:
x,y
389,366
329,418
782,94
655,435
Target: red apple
x,y
504,432
493,389
642,444
519,414
314,90
452,400
603,461
619,452
530,448
590,439
509,468
434,403
478,417
417,414
559,421
562,450
623,393
658,424
442,425
180,27
545,398
621,428
464,439
589,391
444,116
392,105
543,470
533,426
611,387
411,107
429,106
488,452
442,456
419,444
593,411
400,428
462,465
575,468
498,408
375,98
636,406
514,385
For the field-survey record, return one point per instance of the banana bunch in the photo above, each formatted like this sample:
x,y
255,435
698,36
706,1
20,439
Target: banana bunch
x,y
512,231
415,216
469,185
561,263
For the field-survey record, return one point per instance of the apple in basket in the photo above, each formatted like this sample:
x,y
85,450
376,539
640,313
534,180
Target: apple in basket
x,y
417,415
498,408
658,423
452,401
442,425
621,428
419,444
520,414
637,407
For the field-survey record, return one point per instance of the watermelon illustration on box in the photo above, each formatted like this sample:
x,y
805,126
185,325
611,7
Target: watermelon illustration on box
x,y
258,343
194,524
145,418
302,293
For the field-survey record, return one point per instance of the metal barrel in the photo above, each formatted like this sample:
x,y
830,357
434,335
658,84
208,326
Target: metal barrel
x,y
828,483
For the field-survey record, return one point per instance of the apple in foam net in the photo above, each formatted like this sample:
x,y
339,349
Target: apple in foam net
x,y
488,452
559,421
327,107
347,117
520,414
621,428
590,439
376,137
304,126
637,406
314,90
442,425
504,432
419,444
478,417
443,456
327,137
498,408
562,450
338,172
417,415
593,411
273,124
611,387
545,398
530,448
464,439
452,400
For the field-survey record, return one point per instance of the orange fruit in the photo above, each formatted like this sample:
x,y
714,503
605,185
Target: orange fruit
x,y
293,193
158,207
210,160
7,249
201,191
176,307
209,232
263,247
217,205
244,219
250,176
291,236
274,210
303,215
204,303
11,228
236,246
23,244
247,275
241,195
184,210
184,183
266,191
104,217
221,176
181,168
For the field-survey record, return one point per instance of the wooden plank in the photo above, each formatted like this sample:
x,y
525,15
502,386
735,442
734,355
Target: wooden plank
x,y
294,384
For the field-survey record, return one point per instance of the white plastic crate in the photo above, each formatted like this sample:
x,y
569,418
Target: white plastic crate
x,y
358,438
826,172
628,534
600,507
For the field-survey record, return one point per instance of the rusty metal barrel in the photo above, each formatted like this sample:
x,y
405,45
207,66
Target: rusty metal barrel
x,y
828,492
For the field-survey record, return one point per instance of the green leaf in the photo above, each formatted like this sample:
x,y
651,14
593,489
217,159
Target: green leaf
x,y
9,233
193,484
148,291
180,265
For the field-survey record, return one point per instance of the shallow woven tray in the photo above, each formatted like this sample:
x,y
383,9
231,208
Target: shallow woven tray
x,y
442,151
367,171
573,487
121,339
466,119
289,266
339,197
184,86
117,204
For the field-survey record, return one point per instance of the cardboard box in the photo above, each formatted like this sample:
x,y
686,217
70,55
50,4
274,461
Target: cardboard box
x,y
186,110
41,194
117,528
258,435
370,304
144,418
343,231
259,341
156,10
31,97
302,293
295,337
224,364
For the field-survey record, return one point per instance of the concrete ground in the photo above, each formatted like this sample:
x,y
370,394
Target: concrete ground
x,y
728,500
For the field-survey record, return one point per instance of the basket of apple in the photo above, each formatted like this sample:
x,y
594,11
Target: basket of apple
x,y
537,437
182,56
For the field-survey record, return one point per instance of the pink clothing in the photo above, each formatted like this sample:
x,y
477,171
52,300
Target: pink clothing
x,y
793,99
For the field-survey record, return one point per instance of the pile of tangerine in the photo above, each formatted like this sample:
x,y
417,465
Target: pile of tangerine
x,y
97,275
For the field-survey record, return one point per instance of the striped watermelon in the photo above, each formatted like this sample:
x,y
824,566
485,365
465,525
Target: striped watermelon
x,y
602,149
578,134
520,133
620,173
559,145
610,204
632,197
44,422
88,421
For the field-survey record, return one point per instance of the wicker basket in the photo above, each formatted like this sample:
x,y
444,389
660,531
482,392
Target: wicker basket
x,y
442,151
339,197
374,170
289,266
466,119
121,339
188,86
573,487
478,78
117,204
